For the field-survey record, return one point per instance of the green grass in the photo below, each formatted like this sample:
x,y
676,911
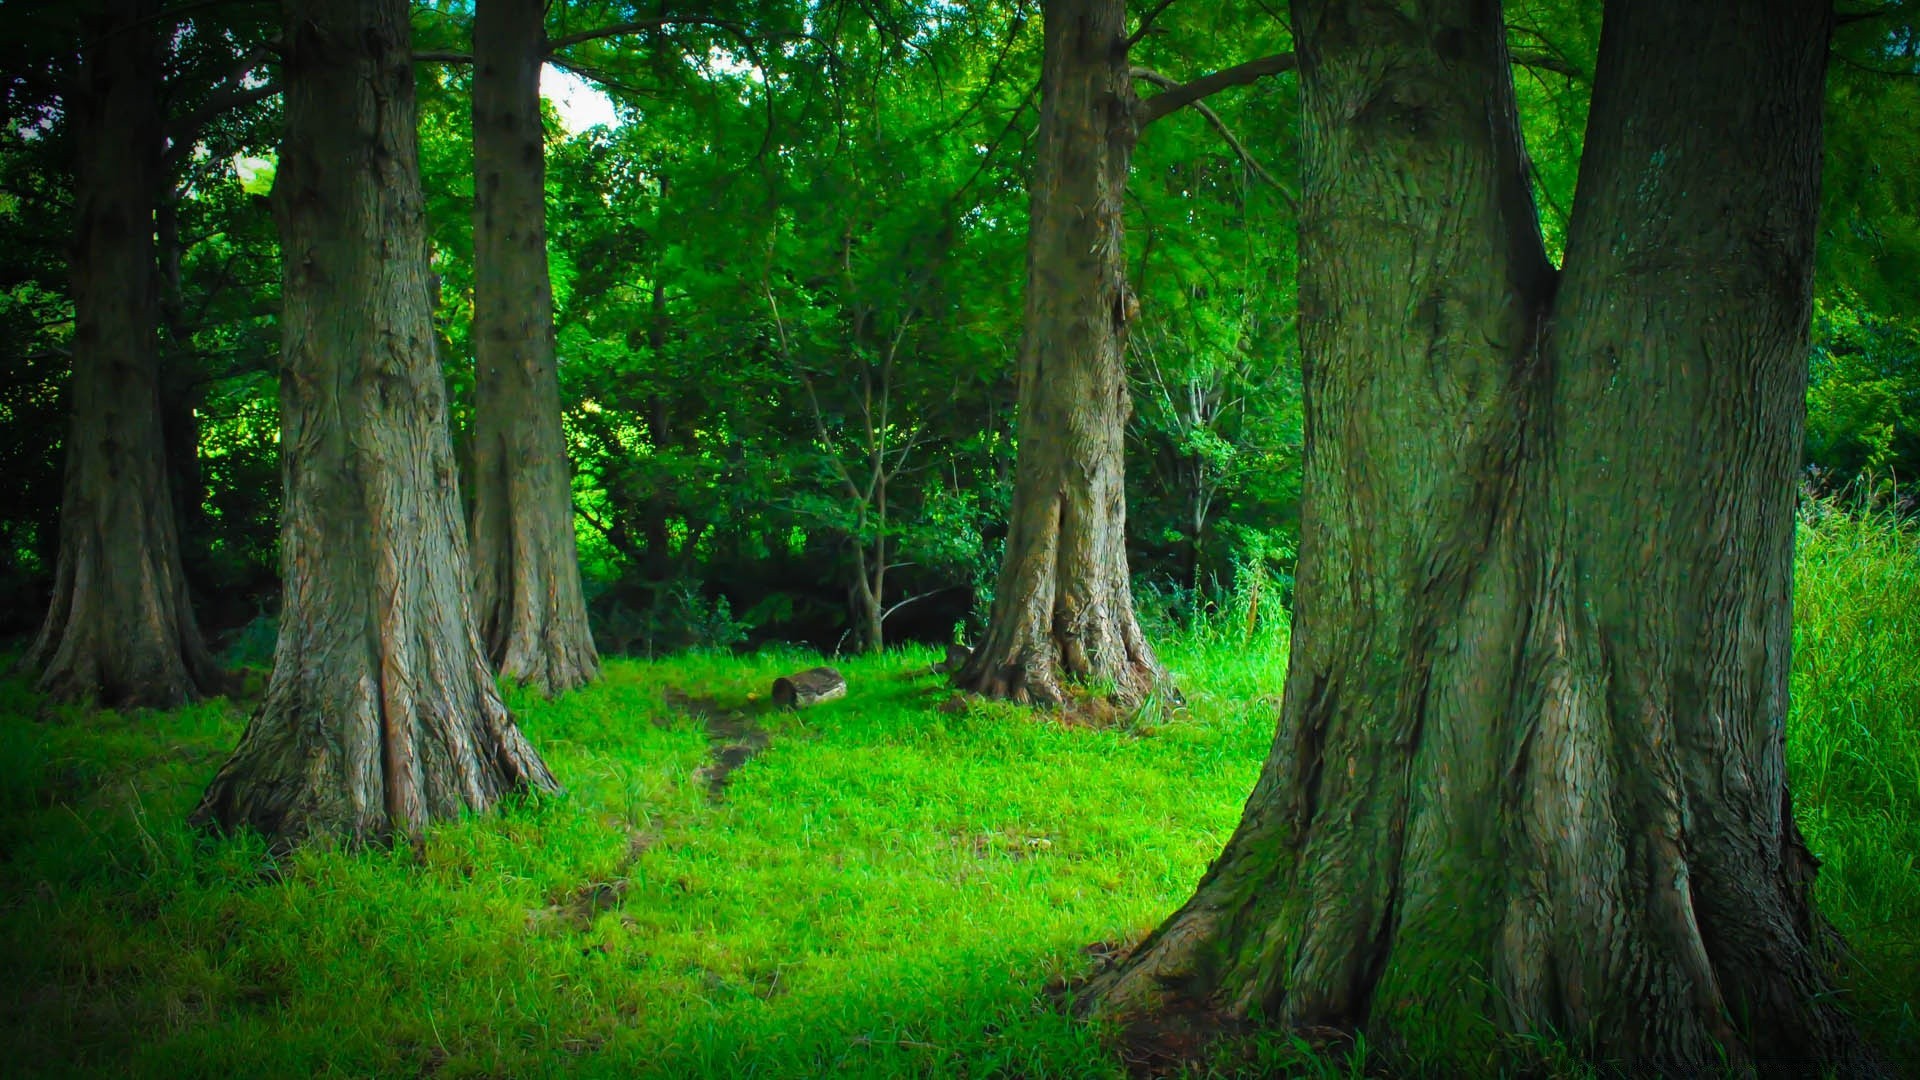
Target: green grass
x,y
888,890
1853,753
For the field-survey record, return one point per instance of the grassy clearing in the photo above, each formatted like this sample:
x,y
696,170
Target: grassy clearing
x,y
886,891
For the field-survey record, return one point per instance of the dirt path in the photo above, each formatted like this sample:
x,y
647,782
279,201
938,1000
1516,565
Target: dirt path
x,y
733,738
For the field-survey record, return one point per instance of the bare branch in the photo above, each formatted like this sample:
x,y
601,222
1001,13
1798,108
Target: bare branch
x,y
1226,134
1180,95
1146,22
1540,61
917,598
596,75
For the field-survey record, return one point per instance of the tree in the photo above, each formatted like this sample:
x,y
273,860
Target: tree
x,y
120,629
1063,608
1533,712
381,714
532,616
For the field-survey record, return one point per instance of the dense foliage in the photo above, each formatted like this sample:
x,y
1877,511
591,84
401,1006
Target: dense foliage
x,y
796,257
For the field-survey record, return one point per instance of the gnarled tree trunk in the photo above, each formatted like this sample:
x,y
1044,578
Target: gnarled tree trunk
x,y
526,567
1529,769
381,715
1063,608
120,630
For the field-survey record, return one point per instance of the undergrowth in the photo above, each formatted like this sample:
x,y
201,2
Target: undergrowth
x,y
889,889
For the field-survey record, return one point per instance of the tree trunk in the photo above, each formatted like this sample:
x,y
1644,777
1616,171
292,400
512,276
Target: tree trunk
x,y
120,630
1529,771
381,715
526,566
1063,608
869,583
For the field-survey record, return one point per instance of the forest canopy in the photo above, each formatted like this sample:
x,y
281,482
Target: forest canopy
x,y
799,211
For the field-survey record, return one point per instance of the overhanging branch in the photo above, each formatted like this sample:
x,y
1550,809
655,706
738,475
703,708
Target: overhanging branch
x,y
1847,18
1146,22
184,132
1180,95
1542,61
1233,143
640,26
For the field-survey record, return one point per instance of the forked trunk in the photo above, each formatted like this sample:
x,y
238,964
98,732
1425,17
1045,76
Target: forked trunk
x,y
532,615
1063,608
381,715
120,630
1529,771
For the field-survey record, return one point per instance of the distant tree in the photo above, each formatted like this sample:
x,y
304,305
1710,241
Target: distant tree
x,y
1529,773
1063,608
120,629
533,618
381,714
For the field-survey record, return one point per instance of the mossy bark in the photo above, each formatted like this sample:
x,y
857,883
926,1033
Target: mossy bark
x,y
381,715
1063,607
533,616
1529,768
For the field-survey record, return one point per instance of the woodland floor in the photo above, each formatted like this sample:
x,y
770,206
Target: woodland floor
x,y
885,885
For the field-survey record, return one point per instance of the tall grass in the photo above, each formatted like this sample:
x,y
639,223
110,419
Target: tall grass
x,y
1853,749
887,890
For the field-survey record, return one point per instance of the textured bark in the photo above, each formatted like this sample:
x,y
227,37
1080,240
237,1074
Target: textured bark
x,y
533,617
120,630
1529,770
1063,608
382,714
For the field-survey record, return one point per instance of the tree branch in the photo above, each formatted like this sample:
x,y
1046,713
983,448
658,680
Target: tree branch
x,y
186,130
1146,22
1848,18
1871,70
1541,61
1226,133
637,26
1180,95
915,599
442,57
596,75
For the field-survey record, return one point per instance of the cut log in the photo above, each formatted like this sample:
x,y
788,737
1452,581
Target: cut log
x,y
956,658
809,687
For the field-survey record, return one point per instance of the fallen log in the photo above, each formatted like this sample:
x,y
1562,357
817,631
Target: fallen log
x,y
809,687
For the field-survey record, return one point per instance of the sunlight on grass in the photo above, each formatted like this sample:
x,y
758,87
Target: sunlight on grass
x,y
887,890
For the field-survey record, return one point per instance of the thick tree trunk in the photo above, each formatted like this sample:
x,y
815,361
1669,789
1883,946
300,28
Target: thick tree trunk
x,y
1063,608
120,630
382,714
1529,772
526,567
